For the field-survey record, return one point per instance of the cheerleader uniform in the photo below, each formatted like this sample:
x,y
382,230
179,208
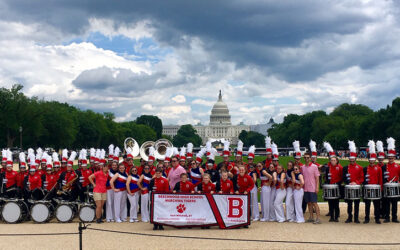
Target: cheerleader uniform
x,y
272,216
265,197
280,196
134,199
298,199
255,211
144,209
290,216
195,176
120,197
110,197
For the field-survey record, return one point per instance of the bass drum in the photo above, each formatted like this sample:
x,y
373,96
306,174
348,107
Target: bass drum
x,y
14,211
65,211
87,212
42,211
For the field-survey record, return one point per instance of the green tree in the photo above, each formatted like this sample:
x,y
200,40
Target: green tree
x,y
152,121
186,134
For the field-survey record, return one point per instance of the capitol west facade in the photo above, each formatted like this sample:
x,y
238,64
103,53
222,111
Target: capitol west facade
x,y
220,126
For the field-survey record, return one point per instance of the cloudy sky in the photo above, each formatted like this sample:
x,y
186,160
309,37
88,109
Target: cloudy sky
x,y
170,58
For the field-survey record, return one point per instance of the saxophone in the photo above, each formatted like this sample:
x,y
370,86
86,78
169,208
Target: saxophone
x,y
67,187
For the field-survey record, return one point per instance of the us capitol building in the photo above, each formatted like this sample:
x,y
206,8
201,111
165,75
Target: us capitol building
x,y
220,126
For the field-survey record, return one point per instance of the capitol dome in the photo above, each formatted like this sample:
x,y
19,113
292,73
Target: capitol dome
x,y
220,113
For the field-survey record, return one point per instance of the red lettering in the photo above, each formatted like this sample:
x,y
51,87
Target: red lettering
x,y
235,207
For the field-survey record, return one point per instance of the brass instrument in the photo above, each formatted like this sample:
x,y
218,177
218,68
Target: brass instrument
x,y
133,145
67,187
160,147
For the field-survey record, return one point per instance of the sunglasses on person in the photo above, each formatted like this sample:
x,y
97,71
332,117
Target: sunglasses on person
x,y
174,161
135,170
306,157
193,163
296,169
146,168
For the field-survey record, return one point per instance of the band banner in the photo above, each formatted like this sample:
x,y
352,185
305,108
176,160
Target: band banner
x,y
191,210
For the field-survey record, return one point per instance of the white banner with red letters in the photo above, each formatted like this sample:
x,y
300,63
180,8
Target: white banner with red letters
x,y
184,210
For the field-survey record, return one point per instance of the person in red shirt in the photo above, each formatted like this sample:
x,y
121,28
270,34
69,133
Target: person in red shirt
x,y
206,186
334,175
391,173
224,185
373,176
84,183
353,175
99,190
242,183
69,177
184,186
9,181
21,175
49,179
32,182
159,184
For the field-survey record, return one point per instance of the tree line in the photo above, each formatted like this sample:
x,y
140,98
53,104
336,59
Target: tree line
x,y
346,122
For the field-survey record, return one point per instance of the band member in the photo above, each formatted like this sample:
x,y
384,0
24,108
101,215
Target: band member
x,y
224,185
3,160
144,182
64,160
49,179
83,174
133,193
184,186
32,182
373,176
22,171
56,165
333,175
353,175
311,187
242,183
265,179
118,184
211,170
110,192
111,154
280,180
239,152
182,157
206,186
9,184
298,193
381,164
250,158
271,170
226,153
158,184
290,216
255,212
99,190
391,173
68,180
268,147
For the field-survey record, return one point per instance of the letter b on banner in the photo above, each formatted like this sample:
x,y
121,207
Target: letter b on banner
x,y
235,207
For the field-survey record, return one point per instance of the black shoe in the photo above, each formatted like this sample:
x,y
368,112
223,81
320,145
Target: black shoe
x,y
328,214
395,221
98,221
155,227
336,220
378,222
160,227
331,220
386,221
366,222
357,221
349,220
246,226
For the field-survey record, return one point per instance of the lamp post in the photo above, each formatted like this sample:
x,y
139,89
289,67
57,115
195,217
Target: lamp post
x,y
20,137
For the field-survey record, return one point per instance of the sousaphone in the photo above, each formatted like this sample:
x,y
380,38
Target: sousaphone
x,y
133,145
161,148
144,150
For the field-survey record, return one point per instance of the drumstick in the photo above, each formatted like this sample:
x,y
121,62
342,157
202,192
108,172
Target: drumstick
x,y
392,179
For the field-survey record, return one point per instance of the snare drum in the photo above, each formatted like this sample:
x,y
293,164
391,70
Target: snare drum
x,y
331,191
14,211
352,192
391,190
65,211
372,192
42,211
87,212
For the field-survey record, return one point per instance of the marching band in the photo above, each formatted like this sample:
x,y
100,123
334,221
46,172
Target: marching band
x,y
44,186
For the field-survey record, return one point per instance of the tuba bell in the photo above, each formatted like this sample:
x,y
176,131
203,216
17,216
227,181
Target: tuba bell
x,y
161,148
144,150
133,145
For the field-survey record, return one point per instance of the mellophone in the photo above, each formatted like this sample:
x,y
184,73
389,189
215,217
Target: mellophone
x,y
356,192
15,210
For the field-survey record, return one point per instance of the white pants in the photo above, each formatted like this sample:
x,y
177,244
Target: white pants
x,y
144,207
134,201
298,200
265,199
278,204
124,208
272,216
110,205
290,216
119,204
255,211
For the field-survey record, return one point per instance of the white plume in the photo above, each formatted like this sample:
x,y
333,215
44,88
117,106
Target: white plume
x,y
390,141
328,146
296,146
371,145
240,146
313,146
267,142
352,146
274,148
226,145
379,146
111,149
190,147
